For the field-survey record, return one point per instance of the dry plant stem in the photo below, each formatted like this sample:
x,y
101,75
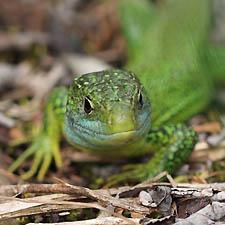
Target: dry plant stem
x,y
76,204
106,199
10,208
158,177
99,221
103,198
9,190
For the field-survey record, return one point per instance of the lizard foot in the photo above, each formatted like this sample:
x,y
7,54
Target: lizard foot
x,y
44,149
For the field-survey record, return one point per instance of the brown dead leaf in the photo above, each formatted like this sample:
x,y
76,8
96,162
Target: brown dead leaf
x,y
203,152
16,133
136,215
186,207
211,127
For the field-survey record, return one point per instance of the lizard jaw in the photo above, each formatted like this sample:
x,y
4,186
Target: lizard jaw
x,y
88,139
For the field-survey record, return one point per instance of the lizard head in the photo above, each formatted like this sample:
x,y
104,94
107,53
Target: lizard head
x,y
106,110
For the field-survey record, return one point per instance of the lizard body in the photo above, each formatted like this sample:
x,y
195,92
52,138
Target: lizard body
x,y
119,114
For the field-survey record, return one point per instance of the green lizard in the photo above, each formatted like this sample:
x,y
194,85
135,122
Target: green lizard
x,y
119,114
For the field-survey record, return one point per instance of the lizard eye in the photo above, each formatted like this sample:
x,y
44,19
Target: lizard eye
x,y
140,99
87,105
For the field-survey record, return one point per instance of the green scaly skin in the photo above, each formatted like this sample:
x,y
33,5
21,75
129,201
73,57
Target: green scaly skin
x,y
118,114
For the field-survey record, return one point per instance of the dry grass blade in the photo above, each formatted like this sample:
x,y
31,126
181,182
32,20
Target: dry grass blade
x,y
99,221
29,203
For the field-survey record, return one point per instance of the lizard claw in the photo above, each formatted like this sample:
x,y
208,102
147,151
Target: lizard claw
x,y
43,149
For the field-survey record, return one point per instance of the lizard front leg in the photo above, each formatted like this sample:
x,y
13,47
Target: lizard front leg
x,y
45,145
172,145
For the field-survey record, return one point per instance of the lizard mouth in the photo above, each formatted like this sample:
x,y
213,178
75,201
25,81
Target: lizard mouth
x,y
94,139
